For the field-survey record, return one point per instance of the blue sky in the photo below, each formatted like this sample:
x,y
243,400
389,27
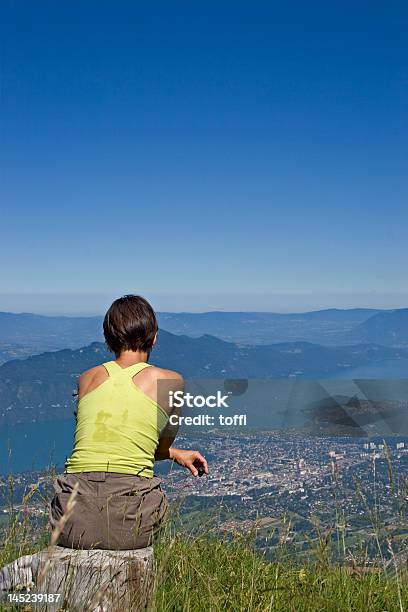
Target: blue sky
x,y
215,155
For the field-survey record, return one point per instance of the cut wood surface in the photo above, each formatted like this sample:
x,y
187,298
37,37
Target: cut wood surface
x,y
94,580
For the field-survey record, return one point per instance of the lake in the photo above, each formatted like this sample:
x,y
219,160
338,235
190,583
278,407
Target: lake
x,y
33,446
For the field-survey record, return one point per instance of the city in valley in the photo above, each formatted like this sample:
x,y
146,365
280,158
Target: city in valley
x,y
262,478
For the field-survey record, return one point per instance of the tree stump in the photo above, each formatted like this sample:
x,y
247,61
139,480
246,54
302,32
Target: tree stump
x,y
93,580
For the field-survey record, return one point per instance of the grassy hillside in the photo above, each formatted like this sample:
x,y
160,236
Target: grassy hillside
x,y
198,568
211,574
194,574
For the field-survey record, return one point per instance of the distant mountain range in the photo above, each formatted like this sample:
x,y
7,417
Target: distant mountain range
x,y
26,334
332,327
40,387
386,328
329,327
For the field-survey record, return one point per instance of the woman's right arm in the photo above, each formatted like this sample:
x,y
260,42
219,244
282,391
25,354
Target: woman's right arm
x,y
190,459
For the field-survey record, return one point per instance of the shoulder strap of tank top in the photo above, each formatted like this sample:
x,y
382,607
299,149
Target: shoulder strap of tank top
x,y
131,371
114,369
111,367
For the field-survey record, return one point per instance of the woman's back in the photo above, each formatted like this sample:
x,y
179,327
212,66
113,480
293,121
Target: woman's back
x,y
121,430
118,425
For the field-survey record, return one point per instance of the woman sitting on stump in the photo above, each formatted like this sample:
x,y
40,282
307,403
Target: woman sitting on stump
x,y
122,429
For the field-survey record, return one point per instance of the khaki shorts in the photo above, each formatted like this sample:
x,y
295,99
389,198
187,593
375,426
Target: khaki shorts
x,y
112,511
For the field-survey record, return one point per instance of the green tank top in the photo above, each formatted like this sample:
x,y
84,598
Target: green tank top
x,y
118,426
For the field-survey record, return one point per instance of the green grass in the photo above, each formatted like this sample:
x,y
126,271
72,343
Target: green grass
x,y
197,574
199,569
209,574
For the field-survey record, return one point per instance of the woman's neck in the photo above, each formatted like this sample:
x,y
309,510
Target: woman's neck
x,y
128,358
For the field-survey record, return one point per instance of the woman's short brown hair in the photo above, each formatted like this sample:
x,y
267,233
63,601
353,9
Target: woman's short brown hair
x,y
130,324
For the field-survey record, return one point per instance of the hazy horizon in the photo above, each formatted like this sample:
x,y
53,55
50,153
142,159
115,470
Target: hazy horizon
x,y
97,304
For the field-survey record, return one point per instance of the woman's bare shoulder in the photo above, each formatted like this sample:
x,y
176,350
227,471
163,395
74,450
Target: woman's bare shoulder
x,y
154,375
93,376
163,373
157,383
95,371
